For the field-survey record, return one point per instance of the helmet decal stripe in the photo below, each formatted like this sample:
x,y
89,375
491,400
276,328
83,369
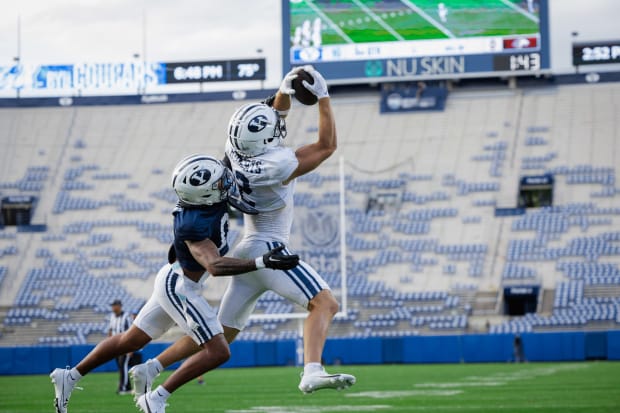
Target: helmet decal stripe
x,y
190,161
247,109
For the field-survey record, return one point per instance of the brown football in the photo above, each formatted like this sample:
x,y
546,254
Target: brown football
x,y
302,94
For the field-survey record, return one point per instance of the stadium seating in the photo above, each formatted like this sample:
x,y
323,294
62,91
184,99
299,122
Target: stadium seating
x,y
414,266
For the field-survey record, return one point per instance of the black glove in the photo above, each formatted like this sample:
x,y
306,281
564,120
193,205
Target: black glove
x,y
275,260
269,101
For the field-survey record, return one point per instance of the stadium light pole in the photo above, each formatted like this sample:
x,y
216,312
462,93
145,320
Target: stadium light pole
x,y
575,34
136,56
140,57
259,51
144,51
18,58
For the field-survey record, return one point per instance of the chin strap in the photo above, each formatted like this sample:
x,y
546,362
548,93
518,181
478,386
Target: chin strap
x,y
226,161
172,255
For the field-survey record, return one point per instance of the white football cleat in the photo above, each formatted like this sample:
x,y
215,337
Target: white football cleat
x,y
142,377
63,386
320,379
148,404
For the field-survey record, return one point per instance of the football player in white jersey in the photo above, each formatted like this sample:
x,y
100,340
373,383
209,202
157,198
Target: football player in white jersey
x,y
265,171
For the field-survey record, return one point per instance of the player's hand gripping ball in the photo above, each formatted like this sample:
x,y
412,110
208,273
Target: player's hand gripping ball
x,y
309,86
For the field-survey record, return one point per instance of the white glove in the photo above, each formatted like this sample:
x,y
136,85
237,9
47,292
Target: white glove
x,y
319,87
286,87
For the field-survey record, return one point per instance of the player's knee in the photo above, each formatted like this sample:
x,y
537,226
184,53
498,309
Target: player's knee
x,y
218,350
221,354
332,305
325,302
225,355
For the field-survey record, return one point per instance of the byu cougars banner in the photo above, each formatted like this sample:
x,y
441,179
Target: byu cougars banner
x,y
81,78
122,78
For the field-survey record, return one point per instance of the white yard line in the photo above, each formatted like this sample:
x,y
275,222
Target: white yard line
x,y
520,10
378,19
311,409
428,18
393,394
329,21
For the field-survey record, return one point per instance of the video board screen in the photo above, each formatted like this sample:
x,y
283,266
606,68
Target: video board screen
x,y
356,39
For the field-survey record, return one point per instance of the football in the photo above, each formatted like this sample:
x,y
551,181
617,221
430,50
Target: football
x,y
302,94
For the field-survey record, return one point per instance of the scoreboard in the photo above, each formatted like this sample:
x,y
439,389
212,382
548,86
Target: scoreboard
x,y
353,40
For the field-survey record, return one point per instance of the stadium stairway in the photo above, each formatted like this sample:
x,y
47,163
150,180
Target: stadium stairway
x,y
548,299
485,303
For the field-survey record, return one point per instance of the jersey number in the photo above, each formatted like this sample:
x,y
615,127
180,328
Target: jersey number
x,y
244,188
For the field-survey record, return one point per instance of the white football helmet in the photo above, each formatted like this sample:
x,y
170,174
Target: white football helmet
x,y
254,128
201,180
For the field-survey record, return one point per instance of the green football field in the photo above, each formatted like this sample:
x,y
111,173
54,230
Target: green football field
x,y
363,21
537,387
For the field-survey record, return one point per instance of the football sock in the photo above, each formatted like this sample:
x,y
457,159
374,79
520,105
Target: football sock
x,y
157,365
161,393
74,374
312,367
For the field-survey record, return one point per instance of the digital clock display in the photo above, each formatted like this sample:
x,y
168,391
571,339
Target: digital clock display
x,y
517,62
594,53
215,71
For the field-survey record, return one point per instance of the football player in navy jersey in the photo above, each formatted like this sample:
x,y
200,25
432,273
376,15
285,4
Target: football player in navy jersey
x,y
203,185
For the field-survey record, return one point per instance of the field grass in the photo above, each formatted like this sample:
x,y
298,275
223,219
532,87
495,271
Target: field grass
x,y
466,18
518,388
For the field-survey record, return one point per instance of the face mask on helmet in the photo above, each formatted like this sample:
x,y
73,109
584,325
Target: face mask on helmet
x,y
280,130
225,184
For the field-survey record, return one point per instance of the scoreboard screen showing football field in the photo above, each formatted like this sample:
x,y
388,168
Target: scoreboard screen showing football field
x,y
353,40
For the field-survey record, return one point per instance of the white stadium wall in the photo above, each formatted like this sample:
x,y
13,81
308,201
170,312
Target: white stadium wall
x,y
593,20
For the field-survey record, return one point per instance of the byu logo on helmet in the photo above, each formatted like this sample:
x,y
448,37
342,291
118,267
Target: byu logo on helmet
x,y
258,123
200,177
